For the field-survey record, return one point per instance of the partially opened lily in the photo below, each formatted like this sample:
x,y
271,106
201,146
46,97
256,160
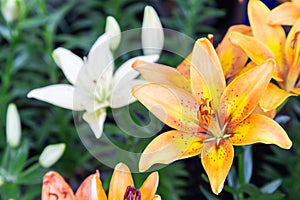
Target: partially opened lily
x,y
211,118
94,85
286,13
270,41
121,187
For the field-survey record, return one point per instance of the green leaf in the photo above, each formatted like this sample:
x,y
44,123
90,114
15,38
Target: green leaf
x,y
248,163
208,195
271,187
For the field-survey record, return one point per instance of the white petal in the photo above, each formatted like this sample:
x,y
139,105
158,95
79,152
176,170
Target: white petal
x,y
152,32
96,121
13,126
121,93
126,70
60,95
68,62
113,29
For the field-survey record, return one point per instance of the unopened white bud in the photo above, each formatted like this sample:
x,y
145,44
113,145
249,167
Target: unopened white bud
x,y
13,126
51,154
11,9
113,29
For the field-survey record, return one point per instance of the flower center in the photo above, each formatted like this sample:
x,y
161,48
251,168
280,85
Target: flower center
x,y
132,194
205,112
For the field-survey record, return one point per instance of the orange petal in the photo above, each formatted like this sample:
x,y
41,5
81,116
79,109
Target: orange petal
x,y
273,97
173,106
272,36
157,73
286,14
91,188
258,110
55,187
149,187
120,180
296,91
171,146
292,53
257,51
184,66
207,76
232,58
217,163
259,128
156,197
242,95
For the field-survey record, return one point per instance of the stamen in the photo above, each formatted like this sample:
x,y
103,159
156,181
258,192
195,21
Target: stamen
x,y
205,112
132,194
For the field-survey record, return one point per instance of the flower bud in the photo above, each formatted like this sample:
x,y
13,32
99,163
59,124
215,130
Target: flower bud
x,y
11,9
51,154
152,32
13,126
113,29
1,181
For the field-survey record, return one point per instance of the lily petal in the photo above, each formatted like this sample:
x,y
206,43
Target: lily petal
x,y
68,62
272,36
171,146
162,74
286,14
59,95
184,66
96,121
259,128
173,106
55,187
207,78
292,54
217,163
125,71
273,97
257,51
120,180
121,94
242,95
232,58
149,187
91,188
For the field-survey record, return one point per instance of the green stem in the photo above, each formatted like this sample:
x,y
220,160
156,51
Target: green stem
x,y
241,173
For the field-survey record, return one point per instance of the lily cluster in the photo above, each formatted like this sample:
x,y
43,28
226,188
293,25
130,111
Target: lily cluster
x,y
215,99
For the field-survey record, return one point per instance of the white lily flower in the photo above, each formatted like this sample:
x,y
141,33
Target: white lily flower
x,y
94,85
152,32
51,154
13,126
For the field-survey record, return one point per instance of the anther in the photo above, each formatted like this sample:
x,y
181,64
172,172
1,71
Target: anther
x,y
132,194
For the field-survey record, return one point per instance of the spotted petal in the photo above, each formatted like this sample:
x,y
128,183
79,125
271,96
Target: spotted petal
x,y
217,163
149,186
232,58
259,128
286,14
55,187
272,36
292,53
242,95
173,106
171,146
120,180
158,73
207,78
273,97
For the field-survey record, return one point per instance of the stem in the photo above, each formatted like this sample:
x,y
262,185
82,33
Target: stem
x,y
241,173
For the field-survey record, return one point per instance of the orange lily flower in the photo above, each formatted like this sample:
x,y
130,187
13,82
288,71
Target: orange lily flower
x,y
121,187
270,41
286,14
211,118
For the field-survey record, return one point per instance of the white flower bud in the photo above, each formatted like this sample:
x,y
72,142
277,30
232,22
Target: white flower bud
x,y
51,154
13,126
11,9
152,32
113,29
